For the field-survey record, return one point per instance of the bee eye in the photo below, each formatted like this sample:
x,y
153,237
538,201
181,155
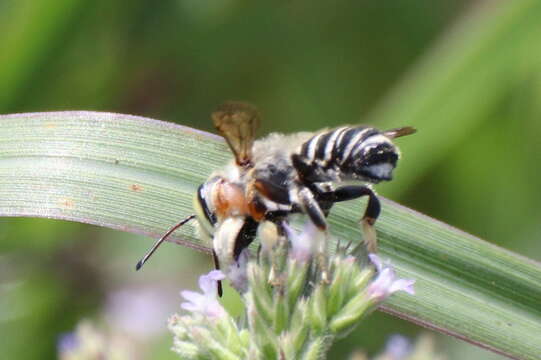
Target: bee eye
x,y
201,204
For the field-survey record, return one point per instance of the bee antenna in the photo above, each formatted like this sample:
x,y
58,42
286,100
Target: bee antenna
x,y
160,241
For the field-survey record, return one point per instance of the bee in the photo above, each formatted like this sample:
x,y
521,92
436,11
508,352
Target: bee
x,y
271,178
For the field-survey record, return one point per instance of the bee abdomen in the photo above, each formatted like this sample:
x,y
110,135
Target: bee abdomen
x,y
346,153
334,146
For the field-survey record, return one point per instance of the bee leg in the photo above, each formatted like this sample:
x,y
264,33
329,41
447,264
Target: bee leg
x,y
310,207
217,267
233,236
245,237
371,213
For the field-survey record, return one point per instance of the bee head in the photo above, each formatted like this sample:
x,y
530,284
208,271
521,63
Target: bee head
x,y
218,199
377,163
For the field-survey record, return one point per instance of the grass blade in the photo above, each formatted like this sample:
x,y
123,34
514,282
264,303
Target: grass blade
x,y
139,175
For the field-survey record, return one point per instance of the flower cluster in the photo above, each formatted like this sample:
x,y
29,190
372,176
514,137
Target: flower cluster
x,y
399,347
297,302
87,342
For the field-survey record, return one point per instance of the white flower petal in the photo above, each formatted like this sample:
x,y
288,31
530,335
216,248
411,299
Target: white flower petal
x,y
205,303
302,243
375,259
207,283
236,273
403,285
189,306
192,296
387,283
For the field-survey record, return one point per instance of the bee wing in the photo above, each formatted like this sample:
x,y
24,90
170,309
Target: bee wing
x,y
403,131
238,122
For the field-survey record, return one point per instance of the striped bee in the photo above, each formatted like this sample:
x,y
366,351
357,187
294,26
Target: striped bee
x,y
279,175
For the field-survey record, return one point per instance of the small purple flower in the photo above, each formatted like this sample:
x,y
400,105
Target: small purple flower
x,y
398,347
206,303
386,282
302,243
67,342
237,273
151,304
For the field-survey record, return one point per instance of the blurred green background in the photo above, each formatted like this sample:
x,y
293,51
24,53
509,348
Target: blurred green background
x,y
467,74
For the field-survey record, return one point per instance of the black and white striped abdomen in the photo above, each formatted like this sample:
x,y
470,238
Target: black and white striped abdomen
x,y
347,153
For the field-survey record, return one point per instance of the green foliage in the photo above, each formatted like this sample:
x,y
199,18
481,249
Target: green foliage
x,y
467,76
465,286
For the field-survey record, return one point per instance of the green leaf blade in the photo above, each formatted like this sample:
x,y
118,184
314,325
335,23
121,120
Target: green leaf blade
x,y
139,175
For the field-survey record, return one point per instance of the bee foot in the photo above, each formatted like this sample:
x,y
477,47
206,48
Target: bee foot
x,y
369,234
325,278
